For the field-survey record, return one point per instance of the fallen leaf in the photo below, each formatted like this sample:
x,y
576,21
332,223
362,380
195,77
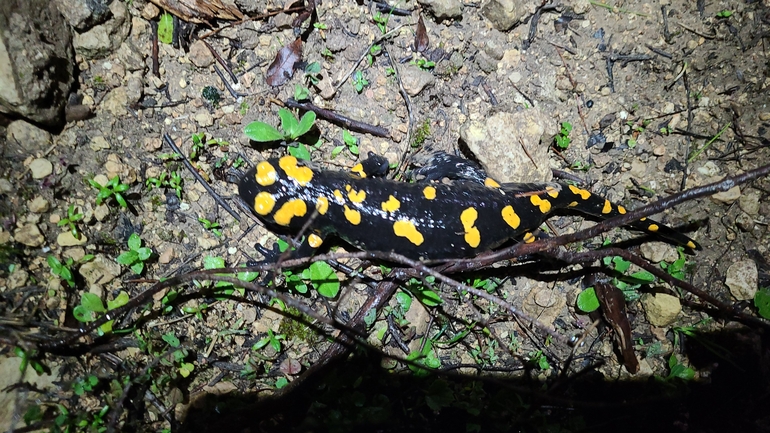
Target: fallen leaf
x,y
282,67
614,308
200,11
421,40
290,366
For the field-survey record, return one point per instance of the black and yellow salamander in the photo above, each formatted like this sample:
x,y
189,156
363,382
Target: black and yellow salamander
x,y
426,219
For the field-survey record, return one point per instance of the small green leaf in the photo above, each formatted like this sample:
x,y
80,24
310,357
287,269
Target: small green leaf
x,y
166,28
137,268
127,258
289,123
171,340
762,302
325,279
300,152
118,302
134,242
404,300
92,302
211,262
337,150
587,300
83,314
281,382
642,277
144,253
308,119
428,297
262,132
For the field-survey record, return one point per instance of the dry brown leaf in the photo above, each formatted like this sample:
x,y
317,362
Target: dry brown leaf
x,y
421,40
282,67
200,11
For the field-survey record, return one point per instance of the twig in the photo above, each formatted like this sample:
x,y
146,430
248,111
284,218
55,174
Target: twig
x,y
155,63
199,178
705,146
254,18
409,111
221,61
355,64
697,32
229,88
353,125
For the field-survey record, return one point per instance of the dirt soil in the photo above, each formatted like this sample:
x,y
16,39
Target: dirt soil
x,y
661,97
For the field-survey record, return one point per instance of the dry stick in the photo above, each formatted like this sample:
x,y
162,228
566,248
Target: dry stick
x,y
254,18
199,178
409,111
235,94
155,63
331,116
697,32
221,61
355,65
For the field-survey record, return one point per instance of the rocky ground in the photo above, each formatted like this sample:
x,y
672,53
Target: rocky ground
x,y
660,97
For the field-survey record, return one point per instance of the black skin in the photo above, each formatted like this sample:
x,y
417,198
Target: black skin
x,y
442,233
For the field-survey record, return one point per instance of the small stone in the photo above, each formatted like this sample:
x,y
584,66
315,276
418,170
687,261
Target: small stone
x,y
17,279
29,235
5,238
727,197
150,11
100,270
101,212
166,256
515,77
200,55
503,14
41,168
116,102
99,143
6,186
764,116
742,279
657,252
661,309
415,80
38,205
444,9
66,239
203,118
659,150
74,253
709,169
28,136
749,203
745,222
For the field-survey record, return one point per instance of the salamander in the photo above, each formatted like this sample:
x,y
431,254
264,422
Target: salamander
x,y
426,219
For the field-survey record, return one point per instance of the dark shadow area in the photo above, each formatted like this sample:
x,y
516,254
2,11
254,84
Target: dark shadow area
x,y
358,395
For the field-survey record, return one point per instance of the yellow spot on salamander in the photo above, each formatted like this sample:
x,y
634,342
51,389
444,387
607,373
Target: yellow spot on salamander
x,y
348,188
322,204
491,183
338,196
607,207
468,219
265,174
314,240
553,192
691,245
289,210
580,191
353,216
356,196
642,219
264,203
529,238
407,229
429,192
544,205
302,175
510,217
621,210
391,205
573,204
653,227
359,170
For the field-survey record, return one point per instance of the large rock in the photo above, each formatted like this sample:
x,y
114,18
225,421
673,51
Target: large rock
x,y
84,14
444,9
512,147
503,14
105,38
36,61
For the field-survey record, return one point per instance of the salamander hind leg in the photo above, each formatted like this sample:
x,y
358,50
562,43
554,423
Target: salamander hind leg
x,y
442,165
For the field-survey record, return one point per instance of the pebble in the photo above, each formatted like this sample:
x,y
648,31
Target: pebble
x,y
727,197
661,309
29,235
200,55
764,116
38,205
41,168
203,118
101,270
6,186
27,135
150,11
17,279
745,222
116,101
749,203
444,9
742,279
659,150
166,256
503,14
657,252
709,169
101,212
98,143
415,79
67,240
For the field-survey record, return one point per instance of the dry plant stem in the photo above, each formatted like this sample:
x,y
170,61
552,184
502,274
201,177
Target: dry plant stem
x,y
199,178
254,18
338,119
221,61
366,51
